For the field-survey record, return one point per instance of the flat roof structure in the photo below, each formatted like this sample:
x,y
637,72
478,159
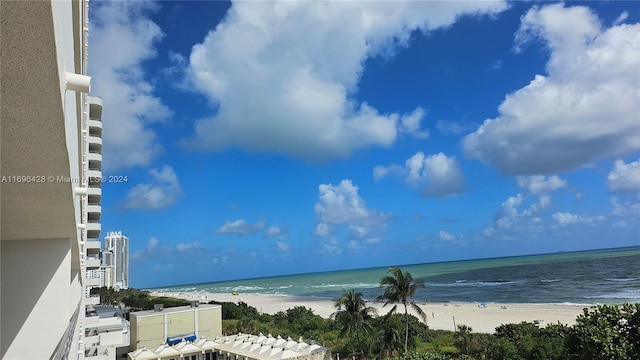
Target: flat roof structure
x,y
237,347
152,328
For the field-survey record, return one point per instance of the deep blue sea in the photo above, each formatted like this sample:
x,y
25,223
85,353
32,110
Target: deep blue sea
x,y
587,277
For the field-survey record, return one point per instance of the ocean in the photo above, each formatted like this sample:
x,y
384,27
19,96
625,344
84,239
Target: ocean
x,y
609,276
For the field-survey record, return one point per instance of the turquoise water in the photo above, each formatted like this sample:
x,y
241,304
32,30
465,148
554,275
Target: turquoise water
x,y
587,277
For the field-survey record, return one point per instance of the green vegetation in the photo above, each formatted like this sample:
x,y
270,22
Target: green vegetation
x,y
354,319
399,289
135,299
602,332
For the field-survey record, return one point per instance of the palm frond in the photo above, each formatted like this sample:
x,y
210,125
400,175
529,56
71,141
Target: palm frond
x,y
419,310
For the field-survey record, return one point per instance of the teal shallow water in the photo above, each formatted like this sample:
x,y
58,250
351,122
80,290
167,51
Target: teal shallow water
x,y
587,277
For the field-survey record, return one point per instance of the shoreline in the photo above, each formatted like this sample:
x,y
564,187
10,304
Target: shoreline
x,y
481,317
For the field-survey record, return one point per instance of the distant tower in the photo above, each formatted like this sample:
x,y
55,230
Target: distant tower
x,y
116,260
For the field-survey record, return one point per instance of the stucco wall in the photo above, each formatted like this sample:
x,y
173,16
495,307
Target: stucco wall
x,y
35,296
181,323
210,323
150,332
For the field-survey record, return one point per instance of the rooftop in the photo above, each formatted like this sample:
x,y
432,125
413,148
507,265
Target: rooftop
x,y
175,309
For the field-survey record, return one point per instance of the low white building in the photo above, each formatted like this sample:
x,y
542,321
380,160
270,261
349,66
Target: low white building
x,y
236,347
106,333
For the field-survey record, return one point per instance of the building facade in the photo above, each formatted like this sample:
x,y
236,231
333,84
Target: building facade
x,y
115,260
152,328
51,144
236,347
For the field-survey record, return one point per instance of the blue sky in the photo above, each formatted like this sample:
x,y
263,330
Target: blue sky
x,y
270,138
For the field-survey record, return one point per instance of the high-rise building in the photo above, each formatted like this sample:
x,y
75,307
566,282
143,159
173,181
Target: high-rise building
x,y
115,260
51,159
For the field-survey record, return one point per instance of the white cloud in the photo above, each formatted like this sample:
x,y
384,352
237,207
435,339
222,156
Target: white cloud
x,y
122,38
322,230
152,244
621,18
438,174
280,87
158,194
153,249
445,236
624,177
537,184
627,207
411,124
584,110
273,231
565,219
543,202
341,205
239,227
508,214
185,247
282,246
330,246
452,127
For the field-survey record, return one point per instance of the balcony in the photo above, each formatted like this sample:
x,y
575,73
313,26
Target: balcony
x,y
92,300
97,353
91,321
95,210
93,229
92,245
95,139
95,178
95,148
94,124
91,263
92,340
93,282
95,192
95,158
95,107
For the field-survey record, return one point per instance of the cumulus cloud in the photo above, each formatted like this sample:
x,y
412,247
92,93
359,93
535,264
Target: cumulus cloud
x,y
629,206
122,38
330,246
624,177
278,87
282,246
411,124
537,184
565,219
508,213
273,231
445,236
161,192
453,127
154,248
240,227
341,206
585,109
438,174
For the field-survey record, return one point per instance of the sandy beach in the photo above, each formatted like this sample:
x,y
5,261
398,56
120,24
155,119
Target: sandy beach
x,y
482,319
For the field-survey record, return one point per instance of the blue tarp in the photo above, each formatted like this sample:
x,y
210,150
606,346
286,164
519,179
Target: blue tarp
x,y
176,339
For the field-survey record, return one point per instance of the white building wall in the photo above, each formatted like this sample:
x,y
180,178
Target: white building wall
x,y
35,299
42,278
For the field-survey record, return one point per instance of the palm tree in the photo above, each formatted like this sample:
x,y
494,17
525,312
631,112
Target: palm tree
x,y
353,313
400,287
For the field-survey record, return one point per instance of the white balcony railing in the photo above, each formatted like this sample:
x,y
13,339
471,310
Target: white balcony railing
x,y
92,244
91,263
92,300
94,282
